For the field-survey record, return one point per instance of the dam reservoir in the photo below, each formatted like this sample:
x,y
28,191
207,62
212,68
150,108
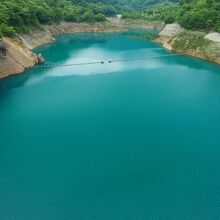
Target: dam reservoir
x,y
121,140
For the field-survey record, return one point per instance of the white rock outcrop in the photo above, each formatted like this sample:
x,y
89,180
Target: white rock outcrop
x,y
171,30
215,37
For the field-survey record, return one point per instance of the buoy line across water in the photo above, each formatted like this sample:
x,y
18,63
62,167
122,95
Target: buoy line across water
x,y
103,62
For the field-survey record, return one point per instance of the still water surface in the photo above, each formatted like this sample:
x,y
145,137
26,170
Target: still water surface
x,y
133,140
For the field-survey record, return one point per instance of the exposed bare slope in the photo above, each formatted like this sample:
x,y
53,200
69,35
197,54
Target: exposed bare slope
x,y
16,57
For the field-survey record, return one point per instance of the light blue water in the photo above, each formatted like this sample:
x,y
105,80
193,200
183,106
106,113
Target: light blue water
x,y
134,140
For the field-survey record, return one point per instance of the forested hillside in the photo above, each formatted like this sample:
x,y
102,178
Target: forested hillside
x,y
141,4
191,14
199,14
19,16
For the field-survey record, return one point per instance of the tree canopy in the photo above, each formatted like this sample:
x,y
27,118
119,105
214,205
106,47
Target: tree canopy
x,y
18,15
191,14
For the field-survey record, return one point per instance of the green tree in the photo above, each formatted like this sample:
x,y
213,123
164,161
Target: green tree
x,y
100,17
6,30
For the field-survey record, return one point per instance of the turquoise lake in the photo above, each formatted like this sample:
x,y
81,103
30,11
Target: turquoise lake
x,y
126,140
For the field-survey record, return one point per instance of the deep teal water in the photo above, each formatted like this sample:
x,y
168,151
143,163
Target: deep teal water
x,y
118,141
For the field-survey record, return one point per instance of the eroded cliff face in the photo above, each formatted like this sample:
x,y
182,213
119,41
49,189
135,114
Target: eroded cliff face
x,y
15,57
194,43
71,27
37,38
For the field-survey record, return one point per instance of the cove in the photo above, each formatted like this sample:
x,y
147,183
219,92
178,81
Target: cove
x,y
126,140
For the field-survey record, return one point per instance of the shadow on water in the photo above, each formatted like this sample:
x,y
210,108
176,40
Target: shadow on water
x,y
196,63
16,81
142,34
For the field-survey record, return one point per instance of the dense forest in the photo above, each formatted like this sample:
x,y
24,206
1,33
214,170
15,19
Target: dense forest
x,y
191,14
141,4
19,16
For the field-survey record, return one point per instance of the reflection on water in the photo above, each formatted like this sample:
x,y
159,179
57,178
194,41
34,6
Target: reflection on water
x,y
93,54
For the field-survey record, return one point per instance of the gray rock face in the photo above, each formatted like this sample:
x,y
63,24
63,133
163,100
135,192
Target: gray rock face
x,y
40,58
171,30
215,37
36,38
2,49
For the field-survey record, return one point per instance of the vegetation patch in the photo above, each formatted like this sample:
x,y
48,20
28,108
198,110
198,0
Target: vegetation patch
x,y
189,40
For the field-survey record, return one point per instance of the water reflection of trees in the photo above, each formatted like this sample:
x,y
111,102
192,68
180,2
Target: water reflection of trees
x,y
195,63
143,34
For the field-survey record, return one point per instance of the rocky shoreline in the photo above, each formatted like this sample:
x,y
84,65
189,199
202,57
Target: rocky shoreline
x,y
194,43
16,53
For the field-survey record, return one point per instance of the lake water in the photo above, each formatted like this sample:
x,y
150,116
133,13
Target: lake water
x,y
127,140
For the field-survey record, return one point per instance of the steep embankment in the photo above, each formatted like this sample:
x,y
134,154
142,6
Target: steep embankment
x,y
15,57
194,43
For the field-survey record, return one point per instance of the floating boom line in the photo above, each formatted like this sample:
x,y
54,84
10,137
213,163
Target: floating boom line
x,y
104,62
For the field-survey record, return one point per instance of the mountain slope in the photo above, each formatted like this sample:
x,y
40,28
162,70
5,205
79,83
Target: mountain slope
x,y
141,4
